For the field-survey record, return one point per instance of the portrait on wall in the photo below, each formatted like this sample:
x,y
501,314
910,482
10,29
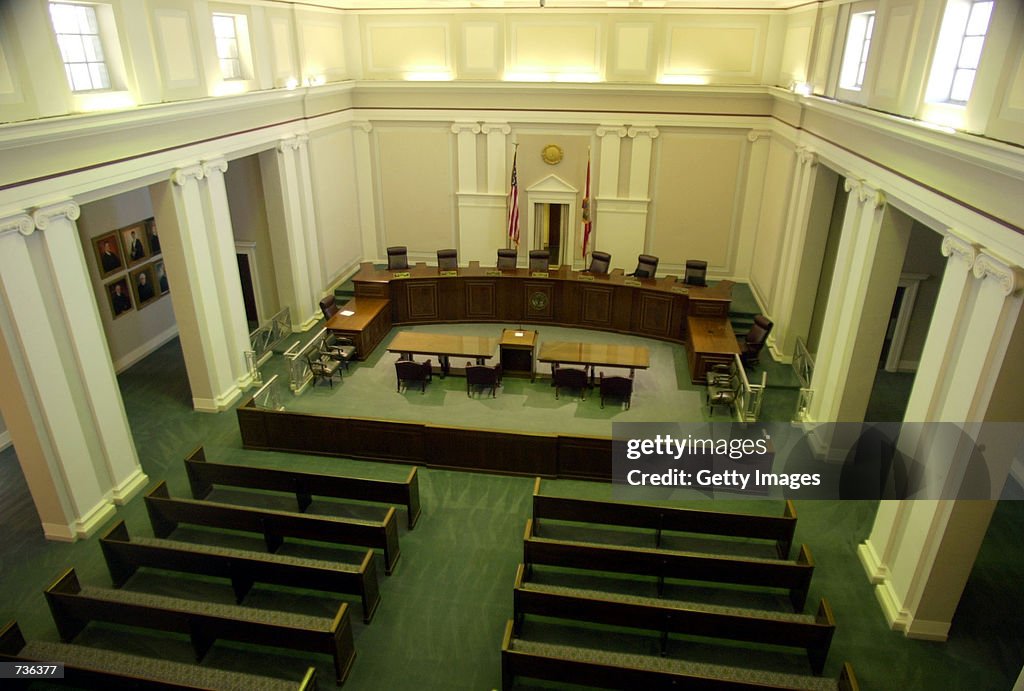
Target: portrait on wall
x,y
152,238
120,297
134,243
161,278
144,285
109,258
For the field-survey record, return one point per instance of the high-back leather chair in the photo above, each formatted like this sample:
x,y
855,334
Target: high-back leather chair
x,y
599,262
753,342
539,260
411,371
570,378
507,259
696,272
616,387
398,258
329,306
484,377
447,260
646,266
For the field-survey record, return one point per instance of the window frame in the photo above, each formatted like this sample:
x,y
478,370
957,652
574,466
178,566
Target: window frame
x,y
239,72
856,52
102,48
964,36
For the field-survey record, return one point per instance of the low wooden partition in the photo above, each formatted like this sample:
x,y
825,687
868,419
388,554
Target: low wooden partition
x,y
434,446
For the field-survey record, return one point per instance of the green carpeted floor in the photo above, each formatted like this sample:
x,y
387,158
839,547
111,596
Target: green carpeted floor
x,y
443,611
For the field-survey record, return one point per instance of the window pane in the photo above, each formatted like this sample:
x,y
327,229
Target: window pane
x,y
93,48
87,20
227,48
977,23
100,78
71,81
962,83
871,25
970,53
230,69
71,48
223,26
860,75
64,20
80,79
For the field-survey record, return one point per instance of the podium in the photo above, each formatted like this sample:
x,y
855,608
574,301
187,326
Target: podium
x,y
516,350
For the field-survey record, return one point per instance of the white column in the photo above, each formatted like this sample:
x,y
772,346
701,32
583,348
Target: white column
x,y
611,145
92,355
640,162
620,224
465,134
44,402
225,265
757,162
372,247
498,176
477,233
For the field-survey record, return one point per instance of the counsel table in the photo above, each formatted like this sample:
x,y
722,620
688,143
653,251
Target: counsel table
x,y
444,346
368,321
593,355
712,342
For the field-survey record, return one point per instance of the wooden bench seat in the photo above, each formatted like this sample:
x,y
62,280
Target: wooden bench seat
x,y
811,632
203,474
124,555
794,576
614,670
74,606
780,529
107,669
165,513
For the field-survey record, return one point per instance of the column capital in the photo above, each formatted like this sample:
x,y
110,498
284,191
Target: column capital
x,y
183,175
953,245
218,164
851,184
21,223
460,127
499,127
866,194
754,135
43,215
636,131
607,130
1008,277
362,125
806,156
294,142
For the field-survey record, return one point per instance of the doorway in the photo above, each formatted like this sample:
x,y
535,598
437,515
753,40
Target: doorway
x,y
551,224
252,315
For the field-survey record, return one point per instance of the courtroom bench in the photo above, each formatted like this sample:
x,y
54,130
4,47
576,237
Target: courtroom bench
x,y
793,576
662,518
74,606
166,512
124,555
813,633
100,668
203,474
617,670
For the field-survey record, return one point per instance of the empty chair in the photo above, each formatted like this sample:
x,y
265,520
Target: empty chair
x,y
447,260
722,387
539,260
753,342
338,348
507,259
646,266
696,272
398,258
483,377
616,387
329,306
411,371
599,262
571,378
322,367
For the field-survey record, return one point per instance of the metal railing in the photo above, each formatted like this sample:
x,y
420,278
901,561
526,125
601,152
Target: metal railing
x,y
803,367
269,334
269,396
749,396
299,374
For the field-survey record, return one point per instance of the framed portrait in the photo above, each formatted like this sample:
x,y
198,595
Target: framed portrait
x,y
109,257
133,240
152,239
120,297
144,285
161,284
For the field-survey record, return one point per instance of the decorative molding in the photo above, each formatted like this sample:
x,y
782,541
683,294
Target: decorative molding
x,y
21,223
650,131
294,142
851,184
806,156
362,125
502,127
1008,277
460,127
44,215
754,135
871,195
218,164
954,245
607,130
182,175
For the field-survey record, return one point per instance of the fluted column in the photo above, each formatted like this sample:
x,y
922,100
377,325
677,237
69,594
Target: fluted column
x,y
640,162
497,172
611,147
753,198
620,222
465,134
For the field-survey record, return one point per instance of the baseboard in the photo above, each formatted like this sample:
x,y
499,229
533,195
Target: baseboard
x,y
897,618
218,404
924,630
133,356
5,439
343,275
877,573
129,487
82,528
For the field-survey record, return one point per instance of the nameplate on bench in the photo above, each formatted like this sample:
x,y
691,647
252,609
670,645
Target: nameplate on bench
x,y
586,277
492,272
631,282
679,289
448,272
539,274
402,274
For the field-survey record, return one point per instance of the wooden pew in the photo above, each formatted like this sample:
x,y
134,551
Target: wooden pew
x,y
244,568
166,512
811,632
202,475
73,607
106,669
662,563
611,670
661,518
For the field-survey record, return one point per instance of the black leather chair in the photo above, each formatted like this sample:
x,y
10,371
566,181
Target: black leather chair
x,y
696,272
484,377
329,306
616,387
646,266
507,259
600,262
338,348
411,371
398,258
753,342
322,367
539,260
570,378
447,260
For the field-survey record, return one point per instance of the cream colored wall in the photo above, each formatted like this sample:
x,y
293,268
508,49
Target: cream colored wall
x,y
332,158
244,184
778,181
796,51
924,256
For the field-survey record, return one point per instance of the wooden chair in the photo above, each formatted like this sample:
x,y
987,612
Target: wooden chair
x,y
398,258
507,259
412,371
338,348
600,262
569,377
616,387
447,260
722,387
483,376
323,367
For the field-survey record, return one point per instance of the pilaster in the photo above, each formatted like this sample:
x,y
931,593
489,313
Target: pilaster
x,y
640,162
611,145
465,134
372,248
753,198
497,176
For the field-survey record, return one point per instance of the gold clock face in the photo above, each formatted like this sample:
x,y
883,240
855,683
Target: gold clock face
x,y
552,154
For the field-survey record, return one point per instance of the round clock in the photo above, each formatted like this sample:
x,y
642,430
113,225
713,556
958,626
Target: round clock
x,y
552,154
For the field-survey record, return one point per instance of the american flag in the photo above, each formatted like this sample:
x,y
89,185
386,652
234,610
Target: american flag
x,y
513,205
587,222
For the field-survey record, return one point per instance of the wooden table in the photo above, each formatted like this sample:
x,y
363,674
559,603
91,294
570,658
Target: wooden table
x,y
595,354
444,346
517,348
367,324
712,342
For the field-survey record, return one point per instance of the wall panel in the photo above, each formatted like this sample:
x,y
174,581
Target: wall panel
x,y
400,48
771,230
332,160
